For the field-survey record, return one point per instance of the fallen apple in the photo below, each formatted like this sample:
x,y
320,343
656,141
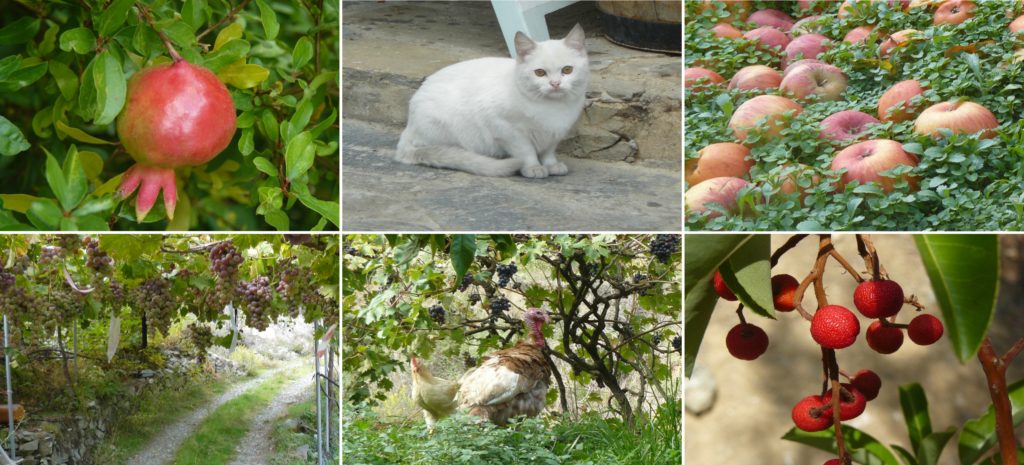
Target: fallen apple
x,y
825,81
772,18
896,103
737,9
806,46
768,37
846,125
726,31
865,161
816,6
959,116
859,34
805,26
897,39
724,159
796,64
765,112
720,191
954,12
1017,26
700,79
755,77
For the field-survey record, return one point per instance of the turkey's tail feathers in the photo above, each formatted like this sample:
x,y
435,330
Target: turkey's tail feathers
x,y
458,158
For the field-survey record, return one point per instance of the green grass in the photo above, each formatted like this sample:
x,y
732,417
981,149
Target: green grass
x,y
214,441
158,408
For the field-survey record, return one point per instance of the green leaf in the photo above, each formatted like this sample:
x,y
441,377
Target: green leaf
x,y
45,214
20,31
329,210
932,445
31,70
80,135
114,16
18,202
964,272
265,166
229,33
906,455
243,76
67,80
49,40
302,52
299,155
87,93
12,141
915,412
863,448
245,144
749,275
76,180
462,253
268,125
700,304
978,436
269,19
110,88
301,117
229,53
81,40
192,13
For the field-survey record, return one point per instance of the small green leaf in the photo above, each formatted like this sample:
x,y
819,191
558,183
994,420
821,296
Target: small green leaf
x,y
268,125
67,80
31,70
20,31
192,13
49,40
80,135
45,214
243,76
80,40
114,15
301,117
299,155
77,183
462,253
232,32
110,88
269,19
700,304
229,53
915,411
964,272
245,143
329,210
265,166
18,202
12,141
932,445
302,52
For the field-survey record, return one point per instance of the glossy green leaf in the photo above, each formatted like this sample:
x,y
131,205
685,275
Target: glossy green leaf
x,y
265,166
749,275
19,31
299,120
245,143
67,80
964,272
81,40
49,42
704,253
108,77
31,70
462,253
863,448
978,436
700,304
77,183
299,155
12,141
227,54
908,457
45,214
915,412
231,32
302,53
269,19
17,202
329,210
114,15
192,13
243,76
931,447
80,135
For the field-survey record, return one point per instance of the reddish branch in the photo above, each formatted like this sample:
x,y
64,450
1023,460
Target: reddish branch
x,y
995,373
146,16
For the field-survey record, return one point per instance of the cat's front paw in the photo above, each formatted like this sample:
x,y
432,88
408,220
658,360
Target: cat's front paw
x,y
557,169
534,171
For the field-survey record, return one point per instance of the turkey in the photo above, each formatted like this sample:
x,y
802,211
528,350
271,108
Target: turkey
x,y
509,382
435,395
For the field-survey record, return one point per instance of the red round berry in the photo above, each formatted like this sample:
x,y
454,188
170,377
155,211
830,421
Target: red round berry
x,y
809,415
878,299
746,341
834,327
849,407
834,462
925,330
868,383
783,291
722,289
884,339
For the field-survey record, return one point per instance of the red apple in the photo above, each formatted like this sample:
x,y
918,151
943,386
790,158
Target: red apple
x,y
769,37
959,116
700,79
737,9
895,104
727,31
804,27
796,64
825,81
772,18
864,161
846,125
755,77
817,6
750,114
1017,26
807,46
896,40
859,35
724,159
721,191
954,12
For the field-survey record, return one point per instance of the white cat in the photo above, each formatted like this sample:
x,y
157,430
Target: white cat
x,y
497,116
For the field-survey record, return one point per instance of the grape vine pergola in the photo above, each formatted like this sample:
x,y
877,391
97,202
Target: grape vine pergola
x,y
51,286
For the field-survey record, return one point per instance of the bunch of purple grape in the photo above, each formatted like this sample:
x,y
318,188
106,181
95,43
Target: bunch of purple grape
x,y
225,260
153,297
257,297
95,258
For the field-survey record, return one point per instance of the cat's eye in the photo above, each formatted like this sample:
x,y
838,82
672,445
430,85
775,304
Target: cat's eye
x,y
567,70
540,72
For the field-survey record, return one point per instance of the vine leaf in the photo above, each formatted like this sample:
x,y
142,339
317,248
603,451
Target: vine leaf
x,y
964,272
463,252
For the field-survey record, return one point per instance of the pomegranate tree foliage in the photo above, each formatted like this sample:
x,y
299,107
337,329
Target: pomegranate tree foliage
x,y
966,183
614,305
63,72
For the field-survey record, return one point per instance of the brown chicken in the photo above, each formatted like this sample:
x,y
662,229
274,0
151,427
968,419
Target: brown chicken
x,y
435,395
510,382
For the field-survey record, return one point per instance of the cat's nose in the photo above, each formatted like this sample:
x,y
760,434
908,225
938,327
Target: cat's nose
x,y
555,84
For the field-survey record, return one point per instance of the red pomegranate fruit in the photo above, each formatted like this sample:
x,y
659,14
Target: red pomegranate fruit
x,y
176,114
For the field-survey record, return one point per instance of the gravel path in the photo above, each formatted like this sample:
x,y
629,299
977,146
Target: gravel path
x,y
161,449
256,447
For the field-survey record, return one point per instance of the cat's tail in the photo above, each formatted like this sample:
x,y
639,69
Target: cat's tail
x,y
457,158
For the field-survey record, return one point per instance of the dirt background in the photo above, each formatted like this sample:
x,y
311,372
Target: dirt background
x,y
754,399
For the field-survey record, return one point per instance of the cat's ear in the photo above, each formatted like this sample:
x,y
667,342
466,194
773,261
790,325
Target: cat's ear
x,y
575,38
524,45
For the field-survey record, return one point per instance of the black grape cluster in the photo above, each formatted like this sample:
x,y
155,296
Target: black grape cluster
x,y
474,298
153,297
677,343
499,305
656,339
664,245
467,280
505,273
468,360
437,313
257,297
95,258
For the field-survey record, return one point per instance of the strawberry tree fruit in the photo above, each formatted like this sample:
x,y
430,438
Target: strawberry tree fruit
x,y
783,291
925,330
746,341
722,289
175,115
835,327
851,402
834,462
868,383
878,299
884,339
809,414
